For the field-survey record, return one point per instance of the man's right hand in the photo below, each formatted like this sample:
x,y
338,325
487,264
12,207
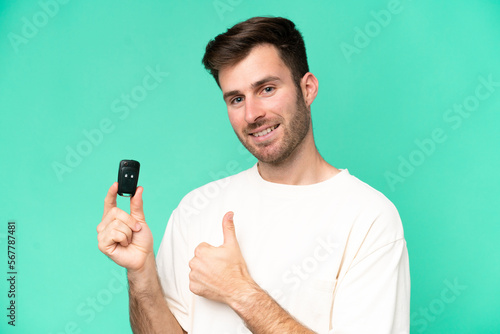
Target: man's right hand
x,y
125,238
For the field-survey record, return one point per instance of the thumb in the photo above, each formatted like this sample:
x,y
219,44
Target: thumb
x,y
136,209
228,229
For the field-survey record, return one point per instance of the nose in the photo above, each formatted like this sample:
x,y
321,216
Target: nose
x,y
253,110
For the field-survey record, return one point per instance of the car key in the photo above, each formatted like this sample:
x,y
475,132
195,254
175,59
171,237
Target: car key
x,y
128,175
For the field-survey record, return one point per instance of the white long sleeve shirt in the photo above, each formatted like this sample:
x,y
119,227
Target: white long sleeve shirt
x,y
332,254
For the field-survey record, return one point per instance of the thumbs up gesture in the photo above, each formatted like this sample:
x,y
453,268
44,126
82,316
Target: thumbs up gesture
x,y
218,273
125,238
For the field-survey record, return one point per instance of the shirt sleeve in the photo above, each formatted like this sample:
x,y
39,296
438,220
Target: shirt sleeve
x,y
374,294
172,263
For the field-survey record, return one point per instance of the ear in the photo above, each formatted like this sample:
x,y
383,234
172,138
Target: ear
x,y
309,86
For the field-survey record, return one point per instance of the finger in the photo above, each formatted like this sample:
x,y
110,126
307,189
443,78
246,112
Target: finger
x,y
115,232
110,199
120,234
202,249
118,214
136,205
228,229
193,263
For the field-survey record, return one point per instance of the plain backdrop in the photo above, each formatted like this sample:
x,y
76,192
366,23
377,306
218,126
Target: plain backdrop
x,y
409,100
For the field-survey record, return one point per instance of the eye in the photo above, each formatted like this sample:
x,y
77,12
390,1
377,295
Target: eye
x,y
237,100
268,89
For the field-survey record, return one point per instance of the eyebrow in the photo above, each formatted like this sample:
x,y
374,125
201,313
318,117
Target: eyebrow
x,y
255,84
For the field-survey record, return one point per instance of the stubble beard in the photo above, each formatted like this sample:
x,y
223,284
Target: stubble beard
x,y
292,136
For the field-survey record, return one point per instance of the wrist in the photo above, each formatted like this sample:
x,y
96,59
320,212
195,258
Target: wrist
x,y
145,273
245,296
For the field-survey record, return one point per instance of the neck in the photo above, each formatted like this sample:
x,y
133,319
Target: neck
x,y
304,166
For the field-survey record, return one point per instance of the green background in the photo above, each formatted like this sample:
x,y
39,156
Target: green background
x,y
67,75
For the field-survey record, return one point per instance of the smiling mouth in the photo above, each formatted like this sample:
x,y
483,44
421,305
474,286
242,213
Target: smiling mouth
x,y
265,131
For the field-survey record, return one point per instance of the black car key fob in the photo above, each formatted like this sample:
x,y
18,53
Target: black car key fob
x,y
128,175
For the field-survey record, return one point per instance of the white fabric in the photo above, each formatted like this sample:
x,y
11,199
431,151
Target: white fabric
x,y
332,254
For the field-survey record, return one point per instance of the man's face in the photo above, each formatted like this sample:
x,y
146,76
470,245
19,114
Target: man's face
x,y
265,108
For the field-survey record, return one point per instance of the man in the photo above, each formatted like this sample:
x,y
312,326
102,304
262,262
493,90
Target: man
x,y
303,246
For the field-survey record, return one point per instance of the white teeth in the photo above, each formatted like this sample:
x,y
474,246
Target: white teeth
x,y
264,132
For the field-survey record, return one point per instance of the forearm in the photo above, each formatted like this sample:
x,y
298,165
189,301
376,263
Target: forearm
x,y
263,315
149,312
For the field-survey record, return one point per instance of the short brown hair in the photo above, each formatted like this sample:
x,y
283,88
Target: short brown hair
x,y
236,43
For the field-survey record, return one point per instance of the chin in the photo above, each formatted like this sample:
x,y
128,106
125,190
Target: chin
x,y
273,158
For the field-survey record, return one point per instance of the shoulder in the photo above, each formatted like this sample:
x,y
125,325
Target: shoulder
x,y
375,209
366,195
365,192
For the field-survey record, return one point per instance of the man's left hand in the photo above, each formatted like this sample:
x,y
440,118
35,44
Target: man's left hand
x,y
220,273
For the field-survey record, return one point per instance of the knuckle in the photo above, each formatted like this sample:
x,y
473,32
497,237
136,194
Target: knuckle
x,y
192,287
101,247
101,238
201,249
118,237
198,251
191,266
